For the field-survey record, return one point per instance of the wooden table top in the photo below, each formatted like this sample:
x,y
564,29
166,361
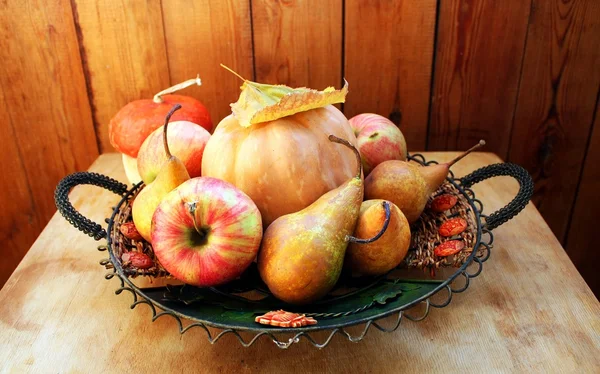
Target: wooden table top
x,y
528,310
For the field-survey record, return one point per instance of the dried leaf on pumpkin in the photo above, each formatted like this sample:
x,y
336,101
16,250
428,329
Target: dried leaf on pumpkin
x,y
260,102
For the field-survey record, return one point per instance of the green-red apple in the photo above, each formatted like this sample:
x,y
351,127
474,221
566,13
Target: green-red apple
x,y
206,232
186,142
378,139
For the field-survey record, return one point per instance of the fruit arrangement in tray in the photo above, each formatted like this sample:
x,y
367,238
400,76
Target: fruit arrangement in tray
x,y
285,181
286,217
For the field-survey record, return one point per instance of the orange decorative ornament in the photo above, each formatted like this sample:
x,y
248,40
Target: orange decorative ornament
x,y
137,259
275,147
453,227
443,202
448,248
281,318
129,230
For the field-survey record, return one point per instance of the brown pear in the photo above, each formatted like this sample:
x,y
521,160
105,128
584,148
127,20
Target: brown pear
x,y
381,255
408,185
172,173
302,254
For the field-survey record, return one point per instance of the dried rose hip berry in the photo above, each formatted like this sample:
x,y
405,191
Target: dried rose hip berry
x,y
453,227
129,231
282,318
443,203
138,260
448,248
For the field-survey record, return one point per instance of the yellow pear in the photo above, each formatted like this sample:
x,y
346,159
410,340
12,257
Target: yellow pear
x,y
172,173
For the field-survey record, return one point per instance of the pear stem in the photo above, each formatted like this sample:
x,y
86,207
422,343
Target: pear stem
x,y
460,157
335,139
179,86
388,214
167,119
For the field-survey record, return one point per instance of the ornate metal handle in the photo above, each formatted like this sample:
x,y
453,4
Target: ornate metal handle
x,y
517,204
64,206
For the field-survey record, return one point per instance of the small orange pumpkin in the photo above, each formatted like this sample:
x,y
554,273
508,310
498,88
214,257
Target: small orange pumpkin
x,y
283,165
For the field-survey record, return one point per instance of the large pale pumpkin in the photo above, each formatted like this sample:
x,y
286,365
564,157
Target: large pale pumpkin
x,y
283,165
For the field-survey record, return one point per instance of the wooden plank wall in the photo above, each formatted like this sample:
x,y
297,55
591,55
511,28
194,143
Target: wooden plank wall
x,y
47,127
388,62
522,74
476,73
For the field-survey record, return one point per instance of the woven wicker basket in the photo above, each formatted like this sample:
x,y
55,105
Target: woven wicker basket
x,y
425,237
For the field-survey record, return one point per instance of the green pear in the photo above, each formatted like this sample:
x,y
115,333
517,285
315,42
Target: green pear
x,y
302,254
408,185
172,173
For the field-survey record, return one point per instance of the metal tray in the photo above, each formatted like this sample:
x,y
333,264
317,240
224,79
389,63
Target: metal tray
x,y
229,309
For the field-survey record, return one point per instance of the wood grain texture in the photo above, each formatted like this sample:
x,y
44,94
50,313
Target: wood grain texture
x,y
532,309
298,43
47,129
557,99
124,55
581,237
19,222
477,68
202,34
388,62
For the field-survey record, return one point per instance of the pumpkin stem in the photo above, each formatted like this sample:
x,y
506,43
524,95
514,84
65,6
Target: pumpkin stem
x,y
167,118
179,86
335,139
460,157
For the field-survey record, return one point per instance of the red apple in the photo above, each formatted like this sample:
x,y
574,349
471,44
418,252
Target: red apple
x,y
378,139
206,232
135,121
186,142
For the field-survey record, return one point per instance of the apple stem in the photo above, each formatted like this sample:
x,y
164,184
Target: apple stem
x,y
388,214
335,139
175,108
460,157
192,208
179,86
